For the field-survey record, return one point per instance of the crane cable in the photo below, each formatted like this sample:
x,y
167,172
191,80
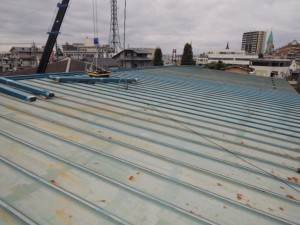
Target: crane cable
x,y
123,77
95,18
95,28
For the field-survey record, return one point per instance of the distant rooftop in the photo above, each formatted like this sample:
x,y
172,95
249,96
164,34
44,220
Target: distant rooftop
x,y
26,49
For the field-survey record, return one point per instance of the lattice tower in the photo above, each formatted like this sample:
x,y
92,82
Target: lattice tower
x,y
114,36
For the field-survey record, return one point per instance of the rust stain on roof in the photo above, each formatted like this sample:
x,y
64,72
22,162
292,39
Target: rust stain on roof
x,y
132,178
294,179
240,197
292,197
62,215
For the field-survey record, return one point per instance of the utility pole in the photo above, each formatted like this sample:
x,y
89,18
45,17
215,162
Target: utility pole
x,y
114,36
174,56
34,53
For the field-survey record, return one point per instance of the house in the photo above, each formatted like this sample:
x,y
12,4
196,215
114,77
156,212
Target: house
x,y
70,65
296,75
278,68
201,59
106,63
295,64
5,63
63,66
135,57
288,51
25,57
184,146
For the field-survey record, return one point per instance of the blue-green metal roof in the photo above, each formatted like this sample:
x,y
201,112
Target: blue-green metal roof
x,y
184,146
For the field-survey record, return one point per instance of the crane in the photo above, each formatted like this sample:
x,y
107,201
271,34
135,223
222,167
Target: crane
x,y
62,8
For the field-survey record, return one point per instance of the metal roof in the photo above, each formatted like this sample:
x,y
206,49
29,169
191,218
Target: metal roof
x,y
179,148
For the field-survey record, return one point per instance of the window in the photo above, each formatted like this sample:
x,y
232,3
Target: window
x,y
222,59
242,59
270,63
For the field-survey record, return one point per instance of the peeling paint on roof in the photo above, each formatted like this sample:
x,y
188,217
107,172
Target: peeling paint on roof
x,y
185,146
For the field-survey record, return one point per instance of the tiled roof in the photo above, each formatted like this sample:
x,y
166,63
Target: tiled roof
x,y
184,146
56,67
26,49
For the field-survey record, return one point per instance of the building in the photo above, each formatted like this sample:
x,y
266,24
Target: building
x,y
25,57
238,69
106,63
135,57
278,68
6,64
63,66
294,80
185,146
201,59
70,65
86,50
295,64
270,44
253,42
167,59
231,57
296,75
288,51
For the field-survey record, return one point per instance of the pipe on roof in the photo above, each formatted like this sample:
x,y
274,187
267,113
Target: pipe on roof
x,y
40,76
16,93
93,80
26,87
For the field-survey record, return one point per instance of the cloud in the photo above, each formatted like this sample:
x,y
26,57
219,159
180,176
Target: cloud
x,y
208,24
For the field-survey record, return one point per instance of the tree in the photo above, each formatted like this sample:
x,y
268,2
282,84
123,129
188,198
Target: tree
x,y
220,65
187,56
157,61
260,55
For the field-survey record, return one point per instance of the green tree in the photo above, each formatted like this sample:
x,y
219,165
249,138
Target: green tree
x,y
220,65
157,61
260,55
187,56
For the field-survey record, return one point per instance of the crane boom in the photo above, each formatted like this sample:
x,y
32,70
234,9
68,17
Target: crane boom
x,y
62,8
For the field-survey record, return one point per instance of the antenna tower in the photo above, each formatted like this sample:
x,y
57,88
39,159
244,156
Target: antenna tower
x,y
114,36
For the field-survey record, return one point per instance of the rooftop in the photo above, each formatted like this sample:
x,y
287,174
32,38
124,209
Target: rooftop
x,y
26,49
184,146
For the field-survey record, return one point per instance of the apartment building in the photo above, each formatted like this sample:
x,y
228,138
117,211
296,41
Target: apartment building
x,y
254,42
86,50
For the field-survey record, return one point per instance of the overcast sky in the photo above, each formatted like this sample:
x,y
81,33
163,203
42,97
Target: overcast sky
x,y
169,24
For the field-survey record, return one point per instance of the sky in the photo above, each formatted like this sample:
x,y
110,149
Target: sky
x,y
168,24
